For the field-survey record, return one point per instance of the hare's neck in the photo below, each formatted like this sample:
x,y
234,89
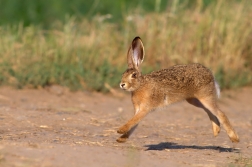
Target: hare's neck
x,y
141,84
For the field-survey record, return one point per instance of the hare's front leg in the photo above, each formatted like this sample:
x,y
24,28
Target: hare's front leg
x,y
133,121
125,136
140,113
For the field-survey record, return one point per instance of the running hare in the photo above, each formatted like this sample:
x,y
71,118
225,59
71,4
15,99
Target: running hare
x,y
193,83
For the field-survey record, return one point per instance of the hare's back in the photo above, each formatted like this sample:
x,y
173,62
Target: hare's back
x,y
182,76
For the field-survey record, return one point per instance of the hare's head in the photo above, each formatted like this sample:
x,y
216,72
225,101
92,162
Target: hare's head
x,y
131,78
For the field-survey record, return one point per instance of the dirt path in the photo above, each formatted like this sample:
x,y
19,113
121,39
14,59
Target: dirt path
x,y
55,127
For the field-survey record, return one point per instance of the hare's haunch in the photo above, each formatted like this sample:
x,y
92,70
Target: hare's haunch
x,y
193,83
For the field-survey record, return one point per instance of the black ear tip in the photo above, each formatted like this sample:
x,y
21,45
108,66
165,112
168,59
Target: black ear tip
x,y
136,38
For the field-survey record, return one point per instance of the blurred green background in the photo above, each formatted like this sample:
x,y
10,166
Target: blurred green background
x,y
82,44
44,12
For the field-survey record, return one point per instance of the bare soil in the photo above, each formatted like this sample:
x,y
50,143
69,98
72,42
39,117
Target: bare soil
x,y
57,128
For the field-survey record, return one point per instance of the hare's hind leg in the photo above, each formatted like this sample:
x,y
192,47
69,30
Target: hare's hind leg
x,y
210,104
213,118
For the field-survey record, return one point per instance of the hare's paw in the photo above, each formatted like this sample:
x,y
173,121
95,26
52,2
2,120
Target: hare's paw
x,y
216,129
122,130
121,140
233,137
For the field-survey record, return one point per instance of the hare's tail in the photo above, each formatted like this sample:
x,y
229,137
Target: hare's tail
x,y
217,88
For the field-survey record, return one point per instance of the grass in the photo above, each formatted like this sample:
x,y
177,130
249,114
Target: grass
x,y
87,54
241,161
44,12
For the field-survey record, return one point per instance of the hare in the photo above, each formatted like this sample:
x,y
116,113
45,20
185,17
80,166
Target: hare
x,y
193,83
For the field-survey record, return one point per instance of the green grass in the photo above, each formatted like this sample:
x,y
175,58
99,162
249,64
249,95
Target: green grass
x,y
44,12
87,53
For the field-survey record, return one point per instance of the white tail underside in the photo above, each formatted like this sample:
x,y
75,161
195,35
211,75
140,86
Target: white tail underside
x,y
217,87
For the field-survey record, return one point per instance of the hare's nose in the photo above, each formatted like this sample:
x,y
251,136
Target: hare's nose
x,y
122,85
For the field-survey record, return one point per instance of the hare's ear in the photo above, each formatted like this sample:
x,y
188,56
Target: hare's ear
x,y
135,53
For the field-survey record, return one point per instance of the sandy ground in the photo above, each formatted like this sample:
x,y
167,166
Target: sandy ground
x,y
57,128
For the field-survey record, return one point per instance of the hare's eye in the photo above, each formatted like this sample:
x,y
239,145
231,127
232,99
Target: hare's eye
x,y
134,75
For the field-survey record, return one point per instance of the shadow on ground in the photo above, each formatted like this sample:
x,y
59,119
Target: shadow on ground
x,y
171,145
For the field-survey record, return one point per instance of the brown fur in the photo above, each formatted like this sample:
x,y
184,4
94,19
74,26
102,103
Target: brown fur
x,y
193,83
